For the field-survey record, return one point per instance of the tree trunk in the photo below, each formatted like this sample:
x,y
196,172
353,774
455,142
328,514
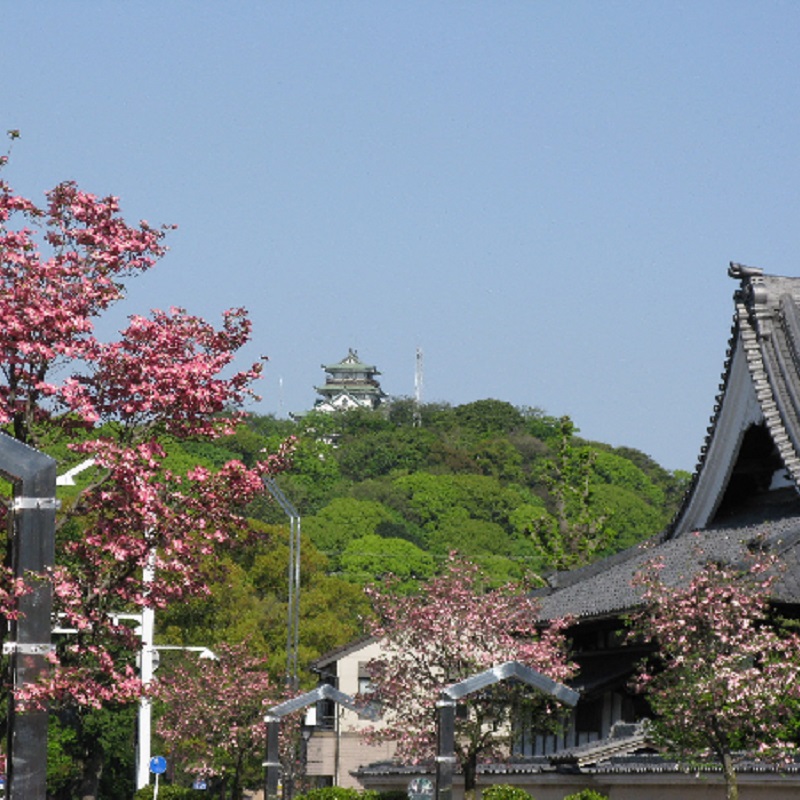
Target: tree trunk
x,y
731,784
470,768
90,777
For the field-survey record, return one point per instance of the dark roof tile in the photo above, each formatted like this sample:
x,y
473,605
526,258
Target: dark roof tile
x,y
609,590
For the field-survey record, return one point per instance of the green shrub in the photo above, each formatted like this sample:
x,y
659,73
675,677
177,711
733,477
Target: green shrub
x,y
169,792
393,794
586,794
504,791
337,793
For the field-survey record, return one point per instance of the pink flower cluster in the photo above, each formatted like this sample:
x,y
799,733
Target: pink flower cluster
x,y
452,628
169,377
723,679
224,699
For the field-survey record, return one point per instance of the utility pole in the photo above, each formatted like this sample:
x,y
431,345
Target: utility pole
x,y
418,390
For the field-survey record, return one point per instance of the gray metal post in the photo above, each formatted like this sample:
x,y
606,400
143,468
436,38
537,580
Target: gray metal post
x,y
445,747
32,537
293,606
446,711
272,766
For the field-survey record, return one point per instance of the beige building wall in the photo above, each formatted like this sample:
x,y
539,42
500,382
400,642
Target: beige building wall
x,y
336,752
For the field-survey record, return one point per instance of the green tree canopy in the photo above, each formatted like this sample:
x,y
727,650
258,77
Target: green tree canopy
x,y
343,520
370,558
489,417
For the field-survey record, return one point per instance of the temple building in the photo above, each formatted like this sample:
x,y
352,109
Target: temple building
x,y
349,384
745,494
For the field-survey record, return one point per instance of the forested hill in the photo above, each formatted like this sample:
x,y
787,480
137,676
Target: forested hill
x,y
395,490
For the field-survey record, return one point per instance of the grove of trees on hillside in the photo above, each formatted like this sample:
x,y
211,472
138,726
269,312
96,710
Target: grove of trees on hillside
x,y
512,488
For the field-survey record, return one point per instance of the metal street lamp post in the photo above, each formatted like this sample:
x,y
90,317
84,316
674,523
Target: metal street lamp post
x,y
293,613
146,670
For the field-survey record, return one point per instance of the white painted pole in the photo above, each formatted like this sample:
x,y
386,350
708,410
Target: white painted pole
x,y
146,674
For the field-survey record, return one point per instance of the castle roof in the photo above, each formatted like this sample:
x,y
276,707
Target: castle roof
x,y
333,388
350,364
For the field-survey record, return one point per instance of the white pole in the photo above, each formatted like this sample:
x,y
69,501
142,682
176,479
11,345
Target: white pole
x,y
146,674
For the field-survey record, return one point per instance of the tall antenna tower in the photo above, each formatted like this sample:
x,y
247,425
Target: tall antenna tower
x,y
418,390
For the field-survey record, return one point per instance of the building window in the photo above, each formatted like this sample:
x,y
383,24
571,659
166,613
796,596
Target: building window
x,y
364,682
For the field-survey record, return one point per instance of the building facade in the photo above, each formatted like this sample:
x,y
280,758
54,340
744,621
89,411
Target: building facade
x,y
336,750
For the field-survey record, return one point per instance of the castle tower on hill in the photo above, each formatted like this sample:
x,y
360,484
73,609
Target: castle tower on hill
x,y
348,385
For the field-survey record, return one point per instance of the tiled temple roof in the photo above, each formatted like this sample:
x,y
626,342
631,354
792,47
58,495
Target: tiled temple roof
x,y
627,750
760,387
625,740
747,478
608,591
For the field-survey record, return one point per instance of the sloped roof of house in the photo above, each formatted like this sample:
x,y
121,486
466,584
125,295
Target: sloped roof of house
x,y
326,659
747,479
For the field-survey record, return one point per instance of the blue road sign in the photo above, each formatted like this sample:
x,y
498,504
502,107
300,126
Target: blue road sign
x,y
158,765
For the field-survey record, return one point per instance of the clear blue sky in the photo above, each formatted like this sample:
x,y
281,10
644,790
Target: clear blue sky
x,y
543,196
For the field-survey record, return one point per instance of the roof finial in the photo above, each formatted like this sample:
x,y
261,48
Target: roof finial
x,y
743,272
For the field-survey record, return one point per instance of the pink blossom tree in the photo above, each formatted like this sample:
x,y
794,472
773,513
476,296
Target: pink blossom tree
x,y
212,718
724,681
453,627
124,404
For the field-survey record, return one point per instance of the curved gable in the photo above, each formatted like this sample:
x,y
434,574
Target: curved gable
x,y
752,452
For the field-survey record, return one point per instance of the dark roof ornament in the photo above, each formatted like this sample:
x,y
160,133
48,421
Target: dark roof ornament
x,y
742,272
752,291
